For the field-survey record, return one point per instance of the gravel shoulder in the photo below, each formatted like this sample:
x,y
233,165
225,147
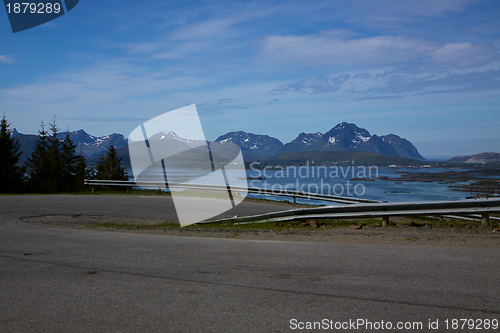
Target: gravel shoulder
x,y
403,231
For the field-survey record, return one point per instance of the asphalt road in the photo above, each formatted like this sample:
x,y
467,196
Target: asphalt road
x,y
63,280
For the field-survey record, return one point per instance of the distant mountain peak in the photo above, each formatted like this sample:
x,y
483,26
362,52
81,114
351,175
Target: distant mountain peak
x,y
13,132
252,145
173,136
90,145
346,136
482,158
164,136
349,137
404,147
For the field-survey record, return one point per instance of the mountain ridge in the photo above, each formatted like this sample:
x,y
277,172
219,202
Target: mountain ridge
x,y
342,137
482,158
86,144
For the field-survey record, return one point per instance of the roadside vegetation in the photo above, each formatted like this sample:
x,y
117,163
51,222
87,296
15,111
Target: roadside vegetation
x,y
301,226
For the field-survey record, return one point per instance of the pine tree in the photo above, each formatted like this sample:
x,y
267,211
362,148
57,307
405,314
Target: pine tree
x,y
11,175
109,167
54,165
69,161
38,163
54,180
81,173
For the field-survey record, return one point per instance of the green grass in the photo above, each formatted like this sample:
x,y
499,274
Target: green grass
x,y
290,226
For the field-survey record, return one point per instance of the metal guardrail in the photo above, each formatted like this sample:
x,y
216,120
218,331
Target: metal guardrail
x,y
385,210
356,208
254,190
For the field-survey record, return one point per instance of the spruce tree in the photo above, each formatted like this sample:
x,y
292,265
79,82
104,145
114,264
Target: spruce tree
x,y
109,167
38,163
54,180
81,173
69,161
11,175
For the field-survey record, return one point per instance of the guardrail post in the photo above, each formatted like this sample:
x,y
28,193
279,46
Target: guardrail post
x,y
485,220
294,200
385,221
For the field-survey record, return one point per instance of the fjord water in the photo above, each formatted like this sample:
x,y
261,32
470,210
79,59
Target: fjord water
x,y
381,190
332,180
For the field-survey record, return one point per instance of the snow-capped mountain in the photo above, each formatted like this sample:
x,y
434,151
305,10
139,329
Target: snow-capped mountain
x,y
173,136
252,145
349,137
86,144
303,142
90,145
343,137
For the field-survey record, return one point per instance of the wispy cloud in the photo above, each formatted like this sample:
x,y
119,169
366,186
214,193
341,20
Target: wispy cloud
x,y
219,106
206,29
203,37
7,59
465,55
313,85
106,120
395,84
362,76
330,49
400,83
100,83
376,98
403,10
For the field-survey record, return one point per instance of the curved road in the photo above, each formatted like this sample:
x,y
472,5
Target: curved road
x,y
62,280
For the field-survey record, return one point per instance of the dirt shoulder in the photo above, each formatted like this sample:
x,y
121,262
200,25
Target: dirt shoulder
x,y
403,231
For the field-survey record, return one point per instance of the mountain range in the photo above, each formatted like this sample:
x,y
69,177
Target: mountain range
x,y
86,144
342,137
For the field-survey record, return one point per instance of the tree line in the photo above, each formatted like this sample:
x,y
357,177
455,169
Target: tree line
x,y
54,166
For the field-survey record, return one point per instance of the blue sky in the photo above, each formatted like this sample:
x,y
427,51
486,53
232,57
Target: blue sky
x,y
426,70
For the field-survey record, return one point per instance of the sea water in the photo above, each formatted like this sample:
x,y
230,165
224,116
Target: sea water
x,y
332,180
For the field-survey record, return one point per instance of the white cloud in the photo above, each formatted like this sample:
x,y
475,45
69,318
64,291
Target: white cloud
x,y
205,29
6,59
465,54
92,89
314,85
328,49
200,38
370,11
